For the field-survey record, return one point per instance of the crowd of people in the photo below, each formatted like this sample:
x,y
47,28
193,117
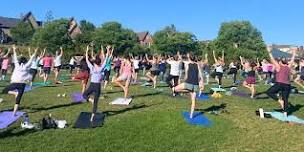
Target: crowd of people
x,y
182,73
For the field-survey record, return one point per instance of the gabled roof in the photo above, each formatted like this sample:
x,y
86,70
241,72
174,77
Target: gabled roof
x,y
7,22
142,35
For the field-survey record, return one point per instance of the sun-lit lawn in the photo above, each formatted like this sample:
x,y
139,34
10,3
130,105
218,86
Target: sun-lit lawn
x,y
153,122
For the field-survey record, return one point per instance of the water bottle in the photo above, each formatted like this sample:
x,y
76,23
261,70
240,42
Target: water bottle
x,y
26,119
261,112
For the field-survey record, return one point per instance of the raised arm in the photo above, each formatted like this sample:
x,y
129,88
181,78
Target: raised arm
x,y
29,52
272,60
215,60
294,53
223,56
15,58
29,62
61,52
7,53
101,54
87,59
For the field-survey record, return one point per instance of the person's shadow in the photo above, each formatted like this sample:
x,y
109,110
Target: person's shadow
x,y
294,108
134,107
214,108
11,132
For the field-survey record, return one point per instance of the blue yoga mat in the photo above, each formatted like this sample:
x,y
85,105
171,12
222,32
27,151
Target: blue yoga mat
x,y
198,119
77,97
7,118
202,97
280,116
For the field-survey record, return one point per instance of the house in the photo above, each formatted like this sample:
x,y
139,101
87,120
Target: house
x,y
145,39
7,23
74,29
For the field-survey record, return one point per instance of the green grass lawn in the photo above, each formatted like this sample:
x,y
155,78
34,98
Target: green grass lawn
x,y
153,122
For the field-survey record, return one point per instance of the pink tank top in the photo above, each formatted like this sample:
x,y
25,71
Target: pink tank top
x,y
47,62
5,63
127,69
283,75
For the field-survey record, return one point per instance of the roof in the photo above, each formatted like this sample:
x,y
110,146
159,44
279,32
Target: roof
x,y
142,35
7,22
280,54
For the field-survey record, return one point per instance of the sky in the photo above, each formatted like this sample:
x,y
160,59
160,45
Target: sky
x,y
280,21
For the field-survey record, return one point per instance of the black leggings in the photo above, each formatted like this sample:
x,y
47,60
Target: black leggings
x,y
169,79
93,88
283,89
33,72
233,71
15,86
219,76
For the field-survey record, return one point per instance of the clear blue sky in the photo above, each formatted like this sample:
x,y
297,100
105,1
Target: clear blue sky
x,y
280,21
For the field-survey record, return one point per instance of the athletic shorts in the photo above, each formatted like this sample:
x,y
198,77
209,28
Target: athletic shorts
x,y
219,74
155,73
116,69
83,75
302,77
124,77
3,71
250,80
190,87
136,70
107,75
47,70
58,68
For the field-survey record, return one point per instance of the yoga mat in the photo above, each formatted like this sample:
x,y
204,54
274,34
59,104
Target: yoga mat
x,y
218,89
26,89
241,94
280,116
7,118
121,101
202,97
198,119
146,84
84,122
41,84
77,97
63,78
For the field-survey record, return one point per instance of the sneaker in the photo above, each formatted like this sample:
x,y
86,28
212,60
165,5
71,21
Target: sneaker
x,y
27,125
91,100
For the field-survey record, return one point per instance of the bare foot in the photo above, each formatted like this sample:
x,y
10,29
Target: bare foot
x,y
92,117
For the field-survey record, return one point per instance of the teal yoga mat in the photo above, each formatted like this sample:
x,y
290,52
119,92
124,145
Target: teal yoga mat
x,y
280,116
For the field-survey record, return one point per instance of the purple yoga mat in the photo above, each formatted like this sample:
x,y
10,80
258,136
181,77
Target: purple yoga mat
x,y
77,97
7,118
241,94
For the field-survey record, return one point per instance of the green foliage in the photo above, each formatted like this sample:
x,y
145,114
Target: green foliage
x,y
240,38
170,41
53,35
22,33
112,33
86,36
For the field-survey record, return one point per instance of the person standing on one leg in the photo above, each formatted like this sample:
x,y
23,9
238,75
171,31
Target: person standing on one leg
x,y
47,66
174,72
219,70
4,64
96,70
57,64
34,66
19,77
125,75
191,84
282,80
107,71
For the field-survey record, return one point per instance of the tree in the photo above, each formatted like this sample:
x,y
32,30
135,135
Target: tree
x,y
112,33
240,38
22,33
169,41
86,36
49,16
53,35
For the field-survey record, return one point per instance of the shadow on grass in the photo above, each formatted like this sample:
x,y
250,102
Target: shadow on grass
x,y
134,107
112,92
13,132
295,108
145,95
34,110
214,108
